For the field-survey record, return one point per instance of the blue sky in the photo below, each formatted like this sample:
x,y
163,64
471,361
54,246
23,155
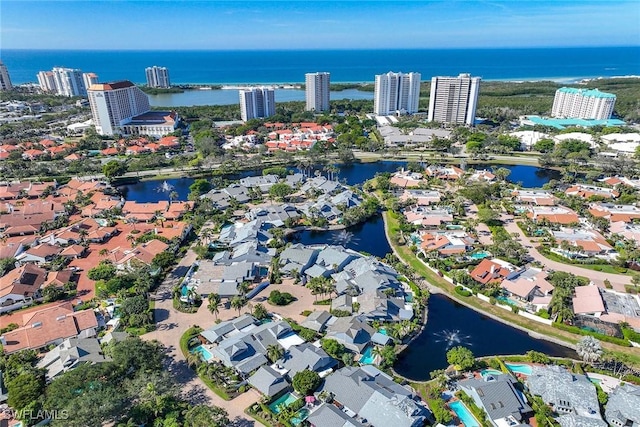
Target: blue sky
x,y
176,24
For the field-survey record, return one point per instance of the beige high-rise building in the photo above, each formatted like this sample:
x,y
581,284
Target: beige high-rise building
x,y
396,93
89,79
113,105
5,80
47,81
454,99
317,91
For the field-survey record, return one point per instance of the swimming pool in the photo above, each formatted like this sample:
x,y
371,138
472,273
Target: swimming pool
x,y
507,301
203,352
517,368
486,372
285,399
463,414
300,416
479,255
383,331
367,357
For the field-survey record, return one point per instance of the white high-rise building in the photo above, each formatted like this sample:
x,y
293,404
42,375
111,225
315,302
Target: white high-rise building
x,y
5,80
255,103
396,92
575,103
317,91
113,105
47,81
69,82
89,79
157,76
454,99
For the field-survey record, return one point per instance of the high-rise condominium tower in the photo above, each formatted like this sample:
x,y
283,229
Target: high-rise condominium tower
x,y
5,80
454,99
257,103
114,104
317,91
575,103
396,92
157,76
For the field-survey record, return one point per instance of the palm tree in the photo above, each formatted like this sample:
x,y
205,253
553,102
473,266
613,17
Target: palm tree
x,y
131,238
103,252
238,302
214,304
173,196
274,352
589,349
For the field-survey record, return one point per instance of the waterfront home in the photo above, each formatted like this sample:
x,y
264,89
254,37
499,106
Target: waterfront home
x,y
323,185
615,213
306,356
588,301
428,217
421,197
570,395
21,284
222,330
623,406
587,191
330,260
328,415
144,212
298,257
498,397
262,182
527,284
372,397
492,271
446,242
482,176
48,326
353,332
553,214
273,214
268,381
318,321
582,243
70,354
449,173
253,231
534,197
407,179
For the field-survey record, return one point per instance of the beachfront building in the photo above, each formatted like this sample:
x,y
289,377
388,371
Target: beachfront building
x,y
63,81
575,103
122,108
454,99
157,76
5,80
317,91
258,102
396,93
89,79
46,81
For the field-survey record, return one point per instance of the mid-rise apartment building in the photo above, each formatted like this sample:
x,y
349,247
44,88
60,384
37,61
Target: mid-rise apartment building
x,y
454,99
396,93
257,103
157,77
5,80
317,91
575,103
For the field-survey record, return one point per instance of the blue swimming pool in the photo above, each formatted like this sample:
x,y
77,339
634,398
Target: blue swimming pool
x,y
518,368
479,255
493,372
285,399
463,414
367,357
507,301
203,352
300,416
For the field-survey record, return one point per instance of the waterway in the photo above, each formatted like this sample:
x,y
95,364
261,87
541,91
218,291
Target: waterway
x,y
355,174
231,96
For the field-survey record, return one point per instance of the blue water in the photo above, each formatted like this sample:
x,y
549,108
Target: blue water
x,y
463,414
519,368
367,357
493,372
344,65
301,415
203,352
478,255
286,399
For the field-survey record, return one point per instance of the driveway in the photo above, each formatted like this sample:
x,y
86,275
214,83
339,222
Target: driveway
x,y
171,325
598,277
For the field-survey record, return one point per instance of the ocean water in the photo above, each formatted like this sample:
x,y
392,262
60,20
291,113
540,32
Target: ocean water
x,y
227,67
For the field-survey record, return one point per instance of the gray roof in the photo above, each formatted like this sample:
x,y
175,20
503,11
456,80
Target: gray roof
x,y
353,332
299,254
294,179
497,397
316,320
268,381
69,354
307,356
217,332
624,405
328,415
322,184
273,214
564,390
239,272
574,420
263,182
342,302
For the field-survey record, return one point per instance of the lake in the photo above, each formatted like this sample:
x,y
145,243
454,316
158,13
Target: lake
x,y
232,96
451,324
355,174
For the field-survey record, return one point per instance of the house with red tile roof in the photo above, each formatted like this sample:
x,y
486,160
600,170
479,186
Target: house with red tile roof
x,y
587,191
587,300
135,149
482,176
450,173
527,284
492,271
587,243
111,151
421,197
21,283
143,253
170,142
48,326
553,214
32,154
407,179
58,278
615,213
446,242
48,143
428,217
73,157
144,211
534,197
40,254
177,209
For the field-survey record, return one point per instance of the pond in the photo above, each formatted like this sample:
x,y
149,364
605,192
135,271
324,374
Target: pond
x,y
451,324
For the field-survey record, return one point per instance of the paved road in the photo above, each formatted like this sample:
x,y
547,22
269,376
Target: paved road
x,y
170,325
598,277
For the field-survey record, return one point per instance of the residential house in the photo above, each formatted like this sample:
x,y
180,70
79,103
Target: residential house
x,y
21,284
330,259
428,217
449,173
482,176
446,242
586,191
373,398
615,213
322,185
273,214
492,271
406,179
583,243
499,398
353,332
51,325
571,395
144,212
627,231
268,381
222,330
328,415
534,197
527,284
40,254
263,182
553,214
298,257
307,356
588,301
318,321
143,253
421,197
70,354
623,406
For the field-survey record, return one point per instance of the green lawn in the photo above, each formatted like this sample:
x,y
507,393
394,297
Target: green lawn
x,y
605,268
